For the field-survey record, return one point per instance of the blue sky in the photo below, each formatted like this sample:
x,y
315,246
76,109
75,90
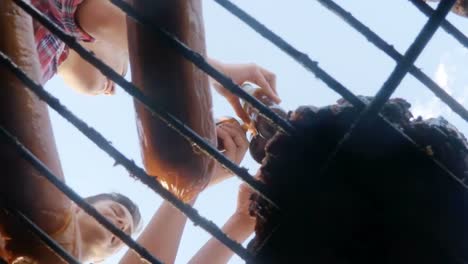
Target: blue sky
x,y
339,49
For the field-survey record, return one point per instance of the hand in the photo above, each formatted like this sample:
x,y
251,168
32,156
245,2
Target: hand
x,y
244,200
232,140
242,214
240,73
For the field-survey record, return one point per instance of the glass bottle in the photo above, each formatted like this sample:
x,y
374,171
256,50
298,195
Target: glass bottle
x,y
261,124
263,129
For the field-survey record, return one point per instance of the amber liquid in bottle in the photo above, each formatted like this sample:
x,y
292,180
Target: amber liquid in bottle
x,y
263,128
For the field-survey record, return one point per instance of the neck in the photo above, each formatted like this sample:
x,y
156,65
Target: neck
x,y
83,251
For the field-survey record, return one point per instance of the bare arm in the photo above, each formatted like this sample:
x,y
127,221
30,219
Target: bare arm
x,y
239,227
27,118
162,235
240,73
214,251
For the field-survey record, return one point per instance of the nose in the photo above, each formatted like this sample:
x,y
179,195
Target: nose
x,y
109,87
121,224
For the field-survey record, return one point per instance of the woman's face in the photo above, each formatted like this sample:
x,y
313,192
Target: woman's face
x,y
96,240
85,78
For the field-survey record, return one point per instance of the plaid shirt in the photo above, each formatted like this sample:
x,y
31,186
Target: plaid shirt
x,y
52,51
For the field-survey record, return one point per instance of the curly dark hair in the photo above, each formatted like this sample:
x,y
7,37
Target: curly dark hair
x,y
380,201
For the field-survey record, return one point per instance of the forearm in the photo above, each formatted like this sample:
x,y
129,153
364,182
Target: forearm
x,y
213,62
214,252
25,116
162,235
216,64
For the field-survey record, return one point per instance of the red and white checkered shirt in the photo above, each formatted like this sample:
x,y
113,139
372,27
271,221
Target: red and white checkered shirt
x,y
52,51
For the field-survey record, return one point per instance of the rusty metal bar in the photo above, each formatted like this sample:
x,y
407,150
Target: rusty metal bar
x,y
446,25
202,64
179,87
36,230
394,54
297,55
89,209
136,171
370,113
312,66
405,64
23,113
301,57
153,107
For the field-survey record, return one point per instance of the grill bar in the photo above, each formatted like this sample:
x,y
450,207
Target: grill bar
x,y
33,228
394,54
297,55
370,113
89,209
198,60
120,158
405,64
312,66
154,108
446,25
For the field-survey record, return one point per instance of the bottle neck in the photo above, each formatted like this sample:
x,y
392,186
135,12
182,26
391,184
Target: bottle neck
x,y
255,91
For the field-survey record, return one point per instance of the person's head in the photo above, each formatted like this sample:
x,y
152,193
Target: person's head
x,y
85,78
97,242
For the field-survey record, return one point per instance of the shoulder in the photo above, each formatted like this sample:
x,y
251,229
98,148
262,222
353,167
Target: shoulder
x,y
68,236
21,245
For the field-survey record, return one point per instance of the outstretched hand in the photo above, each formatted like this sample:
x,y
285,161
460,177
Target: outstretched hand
x,y
240,73
232,141
244,199
243,203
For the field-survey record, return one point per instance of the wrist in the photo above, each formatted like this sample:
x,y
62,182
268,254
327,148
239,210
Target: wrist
x,y
243,219
217,65
239,227
214,63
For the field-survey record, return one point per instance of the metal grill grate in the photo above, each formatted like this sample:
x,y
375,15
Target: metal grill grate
x,y
369,112
30,225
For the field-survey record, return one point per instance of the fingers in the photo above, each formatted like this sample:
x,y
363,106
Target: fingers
x,y
234,101
241,73
226,141
271,79
266,88
240,140
234,140
239,137
240,112
109,87
231,120
267,80
220,89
